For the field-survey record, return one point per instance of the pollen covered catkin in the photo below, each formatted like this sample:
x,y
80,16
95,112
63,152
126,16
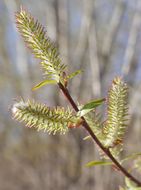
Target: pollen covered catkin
x,y
40,116
117,112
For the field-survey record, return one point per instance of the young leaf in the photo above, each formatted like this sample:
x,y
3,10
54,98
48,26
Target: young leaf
x,y
97,163
131,185
87,138
72,75
137,164
121,188
40,116
94,121
90,106
43,83
131,157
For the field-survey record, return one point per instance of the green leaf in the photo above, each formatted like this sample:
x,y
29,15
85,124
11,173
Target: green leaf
x,y
132,156
72,75
90,106
96,163
93,104
87,137
121,188
131,185
43,83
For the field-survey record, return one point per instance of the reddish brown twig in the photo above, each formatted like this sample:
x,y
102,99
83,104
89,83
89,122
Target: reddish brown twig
x,y
95,139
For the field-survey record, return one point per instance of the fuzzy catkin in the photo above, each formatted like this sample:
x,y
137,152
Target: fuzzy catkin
x,y
40,116
41,46
117,112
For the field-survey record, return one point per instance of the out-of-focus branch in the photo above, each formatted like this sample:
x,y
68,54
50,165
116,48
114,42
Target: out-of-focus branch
x,y
63,38
51,21
81,46
20,58
112,28
94,62
84,27
130,50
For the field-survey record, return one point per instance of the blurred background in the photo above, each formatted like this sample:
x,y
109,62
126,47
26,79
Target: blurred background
x,y
101,37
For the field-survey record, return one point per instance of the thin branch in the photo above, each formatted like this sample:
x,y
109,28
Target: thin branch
x,y
95,139
63,31
82,41
110,35
130,50
113,27
94,61
86,21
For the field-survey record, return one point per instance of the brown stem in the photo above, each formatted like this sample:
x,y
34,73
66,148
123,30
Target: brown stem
x,y
89,130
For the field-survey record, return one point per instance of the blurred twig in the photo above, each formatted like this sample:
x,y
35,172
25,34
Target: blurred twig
x,y
94,62
82,42
130,49
113,27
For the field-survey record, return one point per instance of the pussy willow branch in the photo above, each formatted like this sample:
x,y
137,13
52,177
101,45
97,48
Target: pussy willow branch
x,y
95,139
